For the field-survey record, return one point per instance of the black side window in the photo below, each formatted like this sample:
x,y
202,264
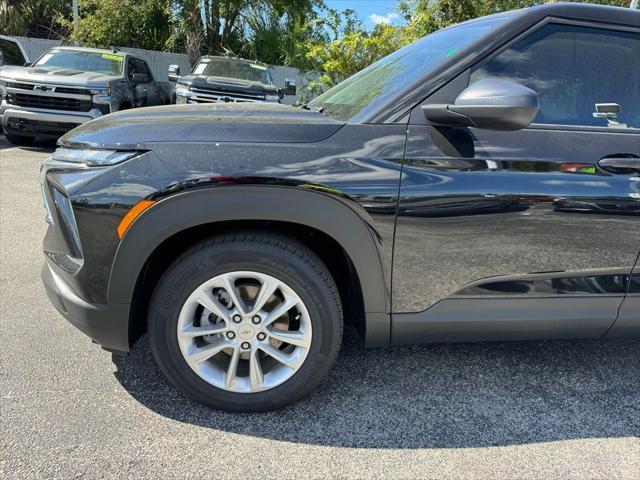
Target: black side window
x,y
11,54
132,68
143,68
583,75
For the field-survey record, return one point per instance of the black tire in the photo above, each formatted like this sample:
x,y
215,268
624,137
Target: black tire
x,y
263,252
21,140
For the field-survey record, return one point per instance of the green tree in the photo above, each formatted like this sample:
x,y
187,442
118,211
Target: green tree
x,y
281,37
124,23
36,18
264,29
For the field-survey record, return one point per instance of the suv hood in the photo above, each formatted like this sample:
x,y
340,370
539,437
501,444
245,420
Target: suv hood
x,y
58,76
213,122
229,85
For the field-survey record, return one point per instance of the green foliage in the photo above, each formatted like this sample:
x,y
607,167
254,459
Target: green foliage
x,y
37,18
280,38
266,30
131,23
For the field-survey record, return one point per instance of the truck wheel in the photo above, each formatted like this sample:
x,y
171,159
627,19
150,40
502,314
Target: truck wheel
x,y
21,140
246,322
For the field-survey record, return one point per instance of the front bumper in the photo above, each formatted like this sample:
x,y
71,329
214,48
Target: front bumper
x,y
107,325
41,122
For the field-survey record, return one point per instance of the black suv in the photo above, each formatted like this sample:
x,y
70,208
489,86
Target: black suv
x,y
480,184
226,79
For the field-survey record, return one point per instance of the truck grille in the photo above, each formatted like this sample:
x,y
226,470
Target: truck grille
x,y
50,102
203,95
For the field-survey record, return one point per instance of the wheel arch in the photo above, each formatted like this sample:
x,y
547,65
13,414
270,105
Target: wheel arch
x,y
339,218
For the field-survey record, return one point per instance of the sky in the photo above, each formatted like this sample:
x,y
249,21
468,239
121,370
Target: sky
x,y
370,11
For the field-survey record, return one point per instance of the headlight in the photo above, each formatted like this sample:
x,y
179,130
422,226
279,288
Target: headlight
x,y
100,91
182,89
92,157
3,89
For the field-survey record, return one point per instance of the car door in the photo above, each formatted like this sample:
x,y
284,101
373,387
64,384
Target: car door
x,y
142,91
530,233
151,89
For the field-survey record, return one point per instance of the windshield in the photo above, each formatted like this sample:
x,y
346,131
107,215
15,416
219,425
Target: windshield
x,y
401,68
223,67
107,63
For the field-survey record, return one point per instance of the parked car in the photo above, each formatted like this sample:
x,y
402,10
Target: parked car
x,y
68,86
225,79
11,52
242,237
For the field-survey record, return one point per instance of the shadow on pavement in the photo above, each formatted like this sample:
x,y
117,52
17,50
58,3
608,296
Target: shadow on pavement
x,y
435,396
46,146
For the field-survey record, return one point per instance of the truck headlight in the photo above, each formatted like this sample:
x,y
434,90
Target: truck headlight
x,y
93,157
100,91
182,89
3,89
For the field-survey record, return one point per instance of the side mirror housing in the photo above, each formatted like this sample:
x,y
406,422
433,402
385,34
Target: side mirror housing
x,y
289,87
140,78
174,73
491,104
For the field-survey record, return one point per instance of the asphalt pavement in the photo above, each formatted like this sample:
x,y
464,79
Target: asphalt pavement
x,y
533,410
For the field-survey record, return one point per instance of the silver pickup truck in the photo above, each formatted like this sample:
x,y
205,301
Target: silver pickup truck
x,y
68,86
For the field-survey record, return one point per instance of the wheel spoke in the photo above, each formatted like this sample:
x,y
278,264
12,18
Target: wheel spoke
x,y
232,368
297,338
279,355
192,331
198,355
255,371
267,289
205,298
230,288
216,345
287,305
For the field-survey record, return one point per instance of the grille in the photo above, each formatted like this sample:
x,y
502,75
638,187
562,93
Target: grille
x,y
22,86
53,103
233,96
75,91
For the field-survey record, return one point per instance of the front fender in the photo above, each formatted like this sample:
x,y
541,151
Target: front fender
x,y
339,217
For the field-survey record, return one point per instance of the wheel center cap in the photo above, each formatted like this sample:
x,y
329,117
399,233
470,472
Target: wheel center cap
x,y
246,332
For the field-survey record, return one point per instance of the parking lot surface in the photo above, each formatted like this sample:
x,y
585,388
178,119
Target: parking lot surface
x,y
492,410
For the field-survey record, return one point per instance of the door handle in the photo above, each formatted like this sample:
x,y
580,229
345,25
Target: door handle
x,y
627,162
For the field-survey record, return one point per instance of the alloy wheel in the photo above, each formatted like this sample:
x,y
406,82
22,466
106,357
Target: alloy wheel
x,y
244,331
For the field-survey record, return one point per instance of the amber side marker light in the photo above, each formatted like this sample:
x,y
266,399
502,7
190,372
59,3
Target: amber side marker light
x,y
131,215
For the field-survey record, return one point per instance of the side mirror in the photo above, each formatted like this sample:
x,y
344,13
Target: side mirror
x,y
289,87
174,73
492,104
140,78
